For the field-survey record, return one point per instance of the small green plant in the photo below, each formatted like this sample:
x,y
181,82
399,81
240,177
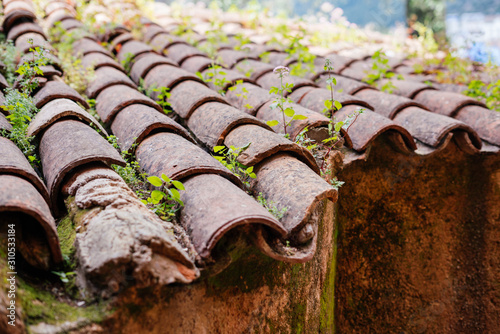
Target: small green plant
x,y
331,105
130,173
166,200
281,100
64,276
128,61
215,75
8,54
162,99
243,92
489,94
381,70
272,207
21,106
305,59
229,158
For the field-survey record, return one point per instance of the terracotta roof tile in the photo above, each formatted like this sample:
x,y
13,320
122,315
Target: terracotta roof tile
x,y
107,77
4,123
66,145
56,90
136,122
407,88
484,121
167,76
56,5
58,109
270,79
87,46
134,48
17,13
97,60
196,64
386,104
251,101
70,24
146,63
212,121
314,98
180,52
18,195
348,86
113,99
229,58
23,28
117,42
207,224
445,103
13,162
163,41
189,95
23,45
254,67
58,15
178,158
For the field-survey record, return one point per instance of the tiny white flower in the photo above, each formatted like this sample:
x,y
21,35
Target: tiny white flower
x,y
281,70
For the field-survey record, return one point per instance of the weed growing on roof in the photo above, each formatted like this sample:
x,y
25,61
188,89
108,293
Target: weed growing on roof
x,y
381,70
20,104
166,201
281,100
128,61
242,94
162,99
8,55
75,75
305,59
489,94
272,207
130,173
331,105
215,75
229,158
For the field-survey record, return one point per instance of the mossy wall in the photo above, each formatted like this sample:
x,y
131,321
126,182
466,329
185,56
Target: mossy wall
x,y
255,294
419,243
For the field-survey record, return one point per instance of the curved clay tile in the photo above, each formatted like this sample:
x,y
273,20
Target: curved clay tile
x,y
344,84
314,98
230,57
338,62
136,122
280,59
271,79
189,95
249,101
181,52
134,48
230,77
445,103
265,143
113,99
4,123
313,120
113,32
86,46
432,129
369,125
167,76
98,60
453,88
146,63
13,161
386,104
53,60
163,41
57,109
178,158
23,45
197,64
151,31
486,122
285,180
57,90
18,195
70,24
14,6
357,71
117,42
23,28
407,88
3,82
212,121
15,15
58,15
255,68
55,5
107,77
213,206
68,144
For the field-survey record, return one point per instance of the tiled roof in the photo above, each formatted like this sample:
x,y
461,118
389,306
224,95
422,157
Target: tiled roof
x,y
417,119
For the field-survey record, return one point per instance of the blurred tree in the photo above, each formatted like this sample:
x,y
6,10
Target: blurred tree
x,y
430,13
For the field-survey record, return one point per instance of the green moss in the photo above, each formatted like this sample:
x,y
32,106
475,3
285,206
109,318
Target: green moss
x,y
67,235
298,317
40,305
